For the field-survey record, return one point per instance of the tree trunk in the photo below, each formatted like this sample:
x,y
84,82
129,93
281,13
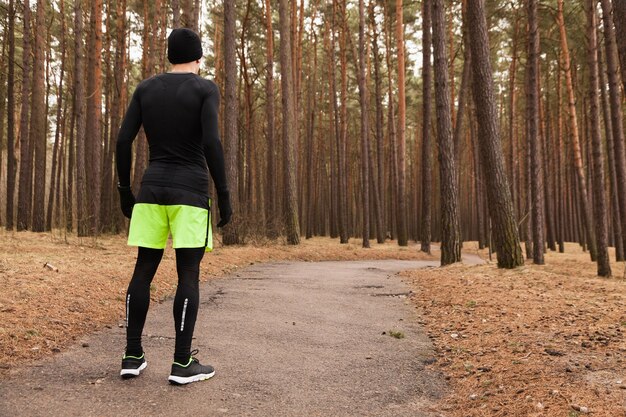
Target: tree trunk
x,y
141,143
343,134
545,139
532,108
392,174
561,188
272,183
363,98
450,238
335,209
380,151
617,116
610,150
79,114
187,16
478,183
119,94
463,93
604,267
232,232
289,123
427,148
311,162
400,137
3,96
24,197
56,155
514,161
176,14
93,139
504,225
585,202
11,163
619,10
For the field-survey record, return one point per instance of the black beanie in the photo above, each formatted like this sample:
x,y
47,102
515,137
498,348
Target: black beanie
x,y
183,45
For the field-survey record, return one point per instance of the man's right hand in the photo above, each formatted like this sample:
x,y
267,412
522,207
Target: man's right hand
x,y
226,211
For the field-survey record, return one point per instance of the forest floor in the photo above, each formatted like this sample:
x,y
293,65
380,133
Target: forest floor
x,y
536,341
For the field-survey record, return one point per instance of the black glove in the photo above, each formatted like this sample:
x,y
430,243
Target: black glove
x,y
127,199
226,211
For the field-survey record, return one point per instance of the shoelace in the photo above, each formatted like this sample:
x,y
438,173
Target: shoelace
x,y
193,353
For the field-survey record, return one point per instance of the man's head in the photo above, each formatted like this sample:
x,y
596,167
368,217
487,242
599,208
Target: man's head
x,y
183,46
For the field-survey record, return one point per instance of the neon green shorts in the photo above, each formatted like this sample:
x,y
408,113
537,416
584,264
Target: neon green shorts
x,y
160,211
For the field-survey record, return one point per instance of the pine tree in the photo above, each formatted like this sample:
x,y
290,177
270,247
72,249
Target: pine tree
x,y
498,192
450,234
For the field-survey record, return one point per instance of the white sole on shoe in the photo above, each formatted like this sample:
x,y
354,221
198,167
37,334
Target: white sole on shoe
x,y
181,380
129,373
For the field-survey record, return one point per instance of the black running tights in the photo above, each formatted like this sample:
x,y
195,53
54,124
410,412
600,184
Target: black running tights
x,y
185,302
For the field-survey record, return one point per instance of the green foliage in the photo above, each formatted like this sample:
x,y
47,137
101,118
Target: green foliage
x,y
396,334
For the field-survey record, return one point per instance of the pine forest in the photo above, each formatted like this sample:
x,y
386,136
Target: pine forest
x,y
441,121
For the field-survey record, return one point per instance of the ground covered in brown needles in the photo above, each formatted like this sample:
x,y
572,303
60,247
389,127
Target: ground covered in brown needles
x,y
536,341
44,308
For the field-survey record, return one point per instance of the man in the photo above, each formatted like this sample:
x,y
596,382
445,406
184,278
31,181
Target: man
x,y
179,114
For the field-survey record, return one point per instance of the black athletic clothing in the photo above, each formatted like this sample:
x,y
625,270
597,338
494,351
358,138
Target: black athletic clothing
x,y
185,302
179,114
138,297
170,196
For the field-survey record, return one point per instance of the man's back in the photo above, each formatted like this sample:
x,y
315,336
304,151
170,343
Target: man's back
x,y
178,112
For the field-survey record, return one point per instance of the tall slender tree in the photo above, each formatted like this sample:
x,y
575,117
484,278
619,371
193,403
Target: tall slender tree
x,y
289,120
619,10
24,197
610,151
11,163
600,216
119,92
336,198
501,210
532,105
342,138
363,94
80,121
379,138
427,159
269,133
93,144
617,115
464,93
581,180
232,231
450,233
401,138
513,161
56,155
3,103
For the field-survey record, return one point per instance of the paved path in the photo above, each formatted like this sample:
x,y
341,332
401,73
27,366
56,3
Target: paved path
x,y
286,339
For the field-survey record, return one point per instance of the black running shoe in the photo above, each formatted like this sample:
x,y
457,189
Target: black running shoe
x,y
192,371
133,365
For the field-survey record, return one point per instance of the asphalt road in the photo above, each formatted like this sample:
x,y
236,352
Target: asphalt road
x,y
286,339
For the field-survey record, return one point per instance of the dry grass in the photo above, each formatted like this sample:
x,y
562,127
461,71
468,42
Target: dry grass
x,y
42,311
535,341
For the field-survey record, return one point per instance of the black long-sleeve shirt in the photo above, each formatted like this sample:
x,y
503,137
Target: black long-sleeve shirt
x,y
179,114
